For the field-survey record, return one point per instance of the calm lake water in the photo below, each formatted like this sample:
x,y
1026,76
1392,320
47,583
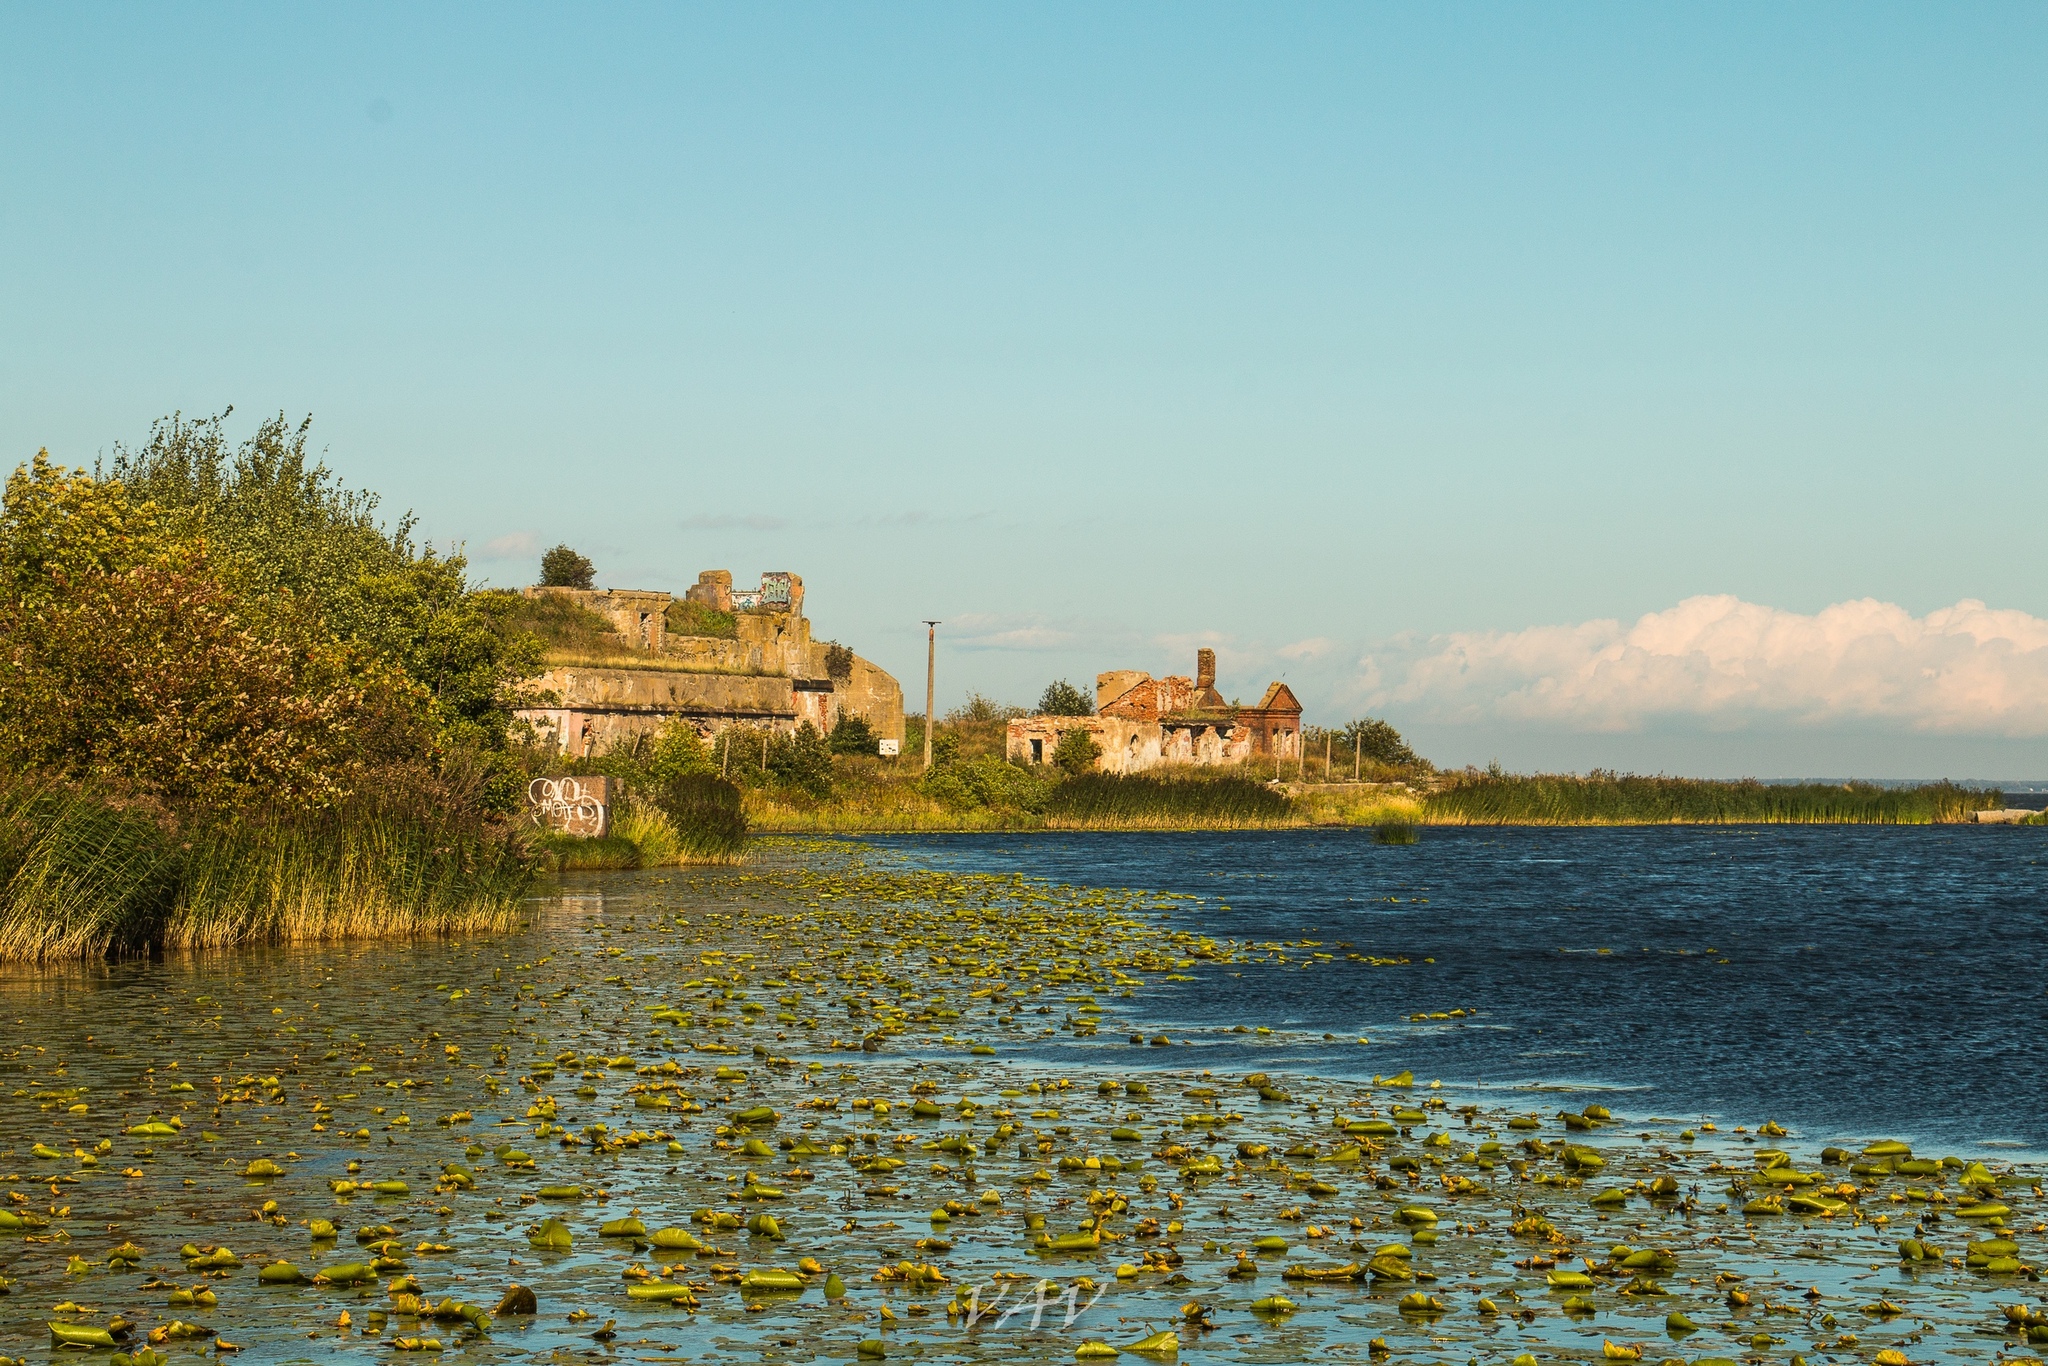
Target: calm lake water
x,y
1855,981
600,1063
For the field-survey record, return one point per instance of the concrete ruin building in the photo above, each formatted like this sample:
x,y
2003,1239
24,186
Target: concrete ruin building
x,y
1141,722
754,664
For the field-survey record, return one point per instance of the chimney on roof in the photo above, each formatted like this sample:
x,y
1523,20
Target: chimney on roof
x,y
1205,668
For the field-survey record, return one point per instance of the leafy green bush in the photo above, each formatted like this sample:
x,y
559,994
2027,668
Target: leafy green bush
x,y
675,751
1076,752
801,760
980,708
852,735
136,656
306,564
986,781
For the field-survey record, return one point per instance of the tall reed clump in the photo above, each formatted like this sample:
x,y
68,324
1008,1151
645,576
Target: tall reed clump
x,y
1144,800
82,876
1626,799
355,871
79,876
706,818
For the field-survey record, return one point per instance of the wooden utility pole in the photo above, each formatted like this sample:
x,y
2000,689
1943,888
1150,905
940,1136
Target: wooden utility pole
x,y
931,674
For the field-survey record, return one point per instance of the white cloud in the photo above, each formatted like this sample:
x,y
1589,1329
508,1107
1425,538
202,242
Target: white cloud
x,y
1962,670
1315,647
518,545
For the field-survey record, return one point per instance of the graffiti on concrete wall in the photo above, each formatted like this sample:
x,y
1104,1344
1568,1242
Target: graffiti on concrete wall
x,y
574,806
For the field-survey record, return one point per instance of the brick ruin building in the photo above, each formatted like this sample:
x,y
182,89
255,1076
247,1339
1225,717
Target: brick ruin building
x,y
1141,722
764,670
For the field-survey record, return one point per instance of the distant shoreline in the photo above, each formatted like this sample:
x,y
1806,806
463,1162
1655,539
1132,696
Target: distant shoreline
x,y
1437,800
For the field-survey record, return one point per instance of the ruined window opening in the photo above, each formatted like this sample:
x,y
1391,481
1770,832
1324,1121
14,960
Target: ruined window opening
x,y
1038,751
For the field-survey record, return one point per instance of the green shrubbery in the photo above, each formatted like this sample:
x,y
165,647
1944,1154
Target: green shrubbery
x,y
852,735
704,811
234,706
1377,742
674,806
986,781
1076,752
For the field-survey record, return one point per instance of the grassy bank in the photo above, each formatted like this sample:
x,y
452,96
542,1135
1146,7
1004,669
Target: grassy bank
x,y
1624,799
876,796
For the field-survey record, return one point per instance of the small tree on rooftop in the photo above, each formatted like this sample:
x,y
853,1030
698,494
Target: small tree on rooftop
x,y
1062,698
564,568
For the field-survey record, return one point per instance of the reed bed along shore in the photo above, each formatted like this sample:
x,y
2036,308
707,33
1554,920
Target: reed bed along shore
x,y
1626,799
1184,800
344,875
82,876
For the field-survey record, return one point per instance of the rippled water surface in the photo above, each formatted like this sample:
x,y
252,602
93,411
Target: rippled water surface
x,y
1854,980
917,1059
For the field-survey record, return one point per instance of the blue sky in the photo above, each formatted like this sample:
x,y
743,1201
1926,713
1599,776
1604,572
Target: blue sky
x,y
1341,337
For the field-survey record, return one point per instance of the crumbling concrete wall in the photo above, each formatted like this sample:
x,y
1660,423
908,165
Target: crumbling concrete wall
x,y
774,674
636,616
713,589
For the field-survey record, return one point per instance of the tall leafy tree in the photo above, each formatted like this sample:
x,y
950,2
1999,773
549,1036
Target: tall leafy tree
x,y
1062,698
562,567
1378,741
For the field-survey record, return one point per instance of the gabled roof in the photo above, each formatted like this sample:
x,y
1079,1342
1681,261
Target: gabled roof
x,y
1279,697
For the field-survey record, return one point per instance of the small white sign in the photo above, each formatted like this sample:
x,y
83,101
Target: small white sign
x,y
890,748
